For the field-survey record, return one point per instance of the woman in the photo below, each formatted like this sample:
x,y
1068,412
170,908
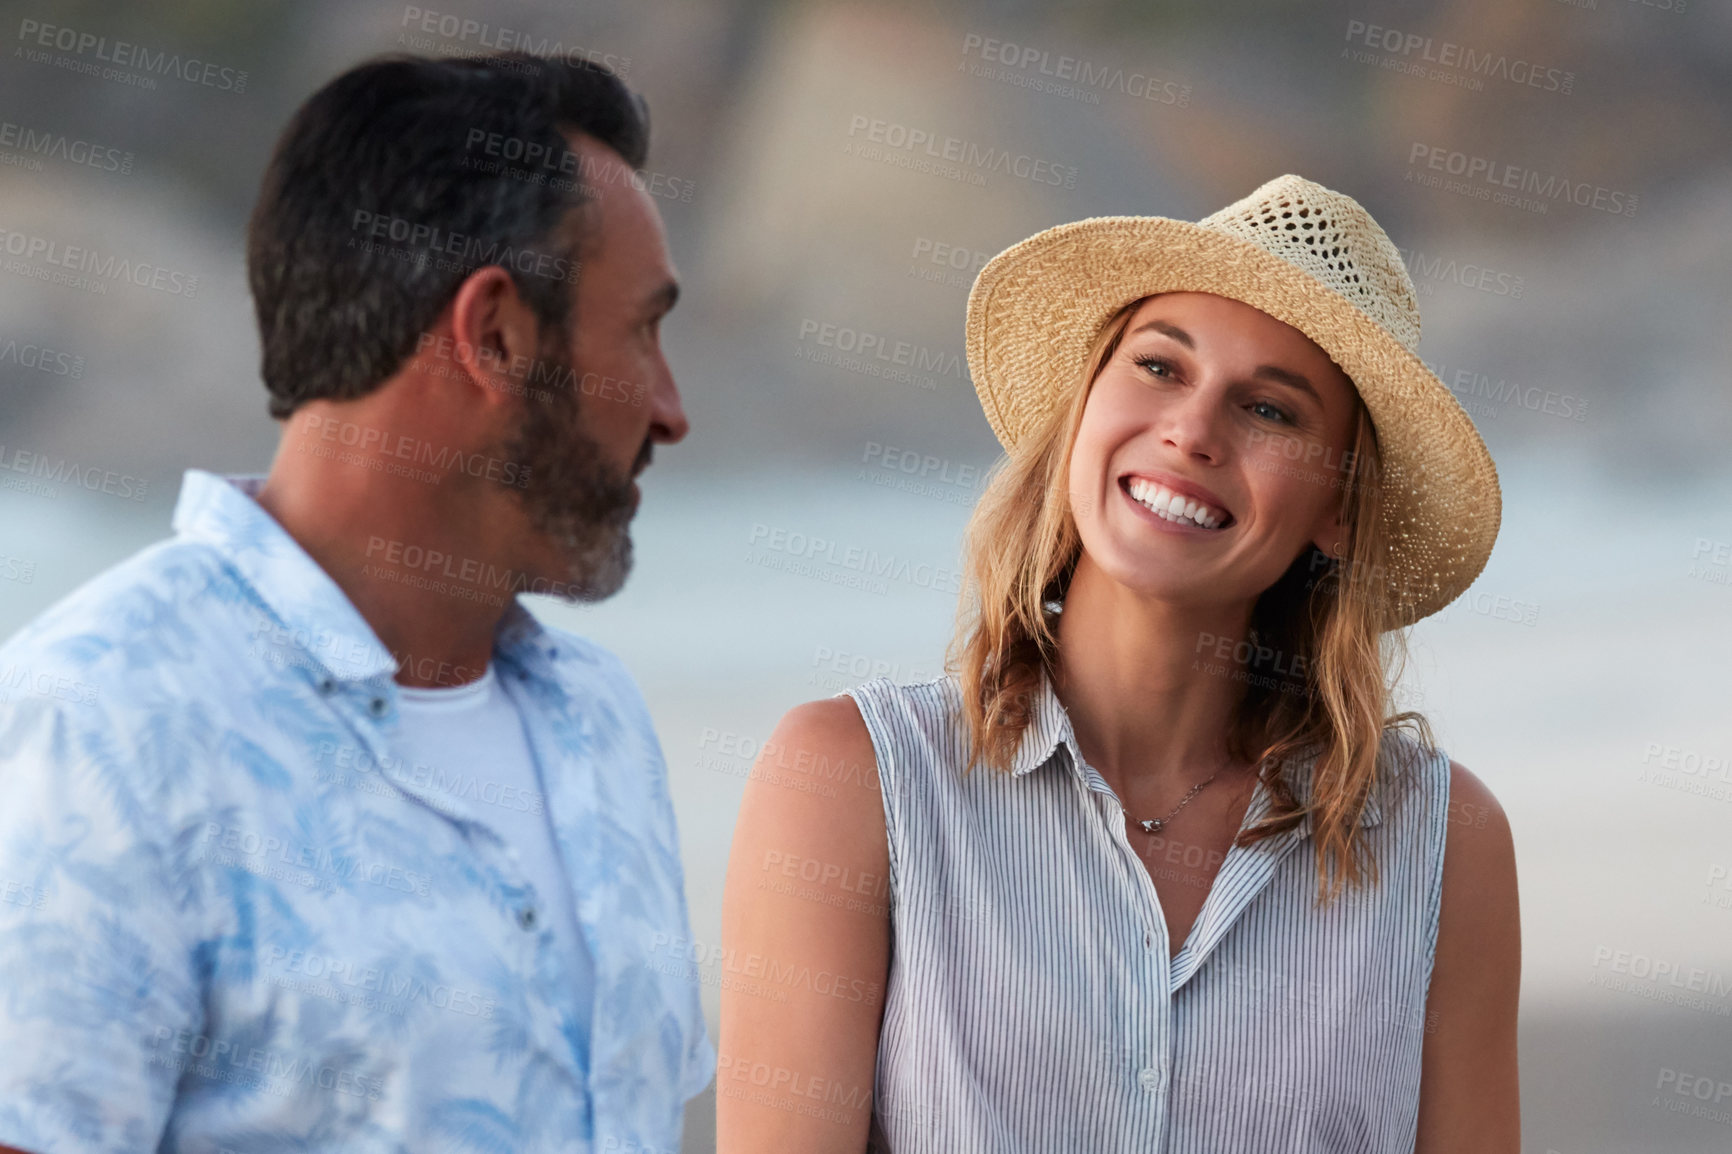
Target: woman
x,y
1154,867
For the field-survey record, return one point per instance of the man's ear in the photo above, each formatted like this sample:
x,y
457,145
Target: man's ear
x,y
494,331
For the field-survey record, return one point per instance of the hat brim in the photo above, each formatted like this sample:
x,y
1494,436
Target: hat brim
x,y
1036,307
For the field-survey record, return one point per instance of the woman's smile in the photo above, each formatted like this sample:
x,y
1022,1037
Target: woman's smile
x,y
1175,505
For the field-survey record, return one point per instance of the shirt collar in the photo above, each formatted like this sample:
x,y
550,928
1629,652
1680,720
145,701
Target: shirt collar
x,y
222,511
1050,727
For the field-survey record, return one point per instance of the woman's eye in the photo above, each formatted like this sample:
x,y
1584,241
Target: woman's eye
x,y
1271,412
1152,363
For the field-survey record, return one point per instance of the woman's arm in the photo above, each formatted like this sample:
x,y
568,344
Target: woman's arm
x,y
805,941
1469,1102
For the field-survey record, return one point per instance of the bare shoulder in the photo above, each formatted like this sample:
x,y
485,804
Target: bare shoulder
x,y
816,782
1480,918
1480,844
825,742
833,723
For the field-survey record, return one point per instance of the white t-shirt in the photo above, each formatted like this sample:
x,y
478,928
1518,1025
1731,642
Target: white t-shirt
x,y
473,731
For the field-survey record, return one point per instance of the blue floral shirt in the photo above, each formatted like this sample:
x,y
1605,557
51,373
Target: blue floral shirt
x,y
234,916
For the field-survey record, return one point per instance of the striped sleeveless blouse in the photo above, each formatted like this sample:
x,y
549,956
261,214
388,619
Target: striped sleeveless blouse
x,y
1033,1004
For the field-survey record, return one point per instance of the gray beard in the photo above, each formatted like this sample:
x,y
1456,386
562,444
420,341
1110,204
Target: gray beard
x,y
572,497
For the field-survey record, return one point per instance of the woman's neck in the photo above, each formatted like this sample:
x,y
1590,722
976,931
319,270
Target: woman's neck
x,y
1148,691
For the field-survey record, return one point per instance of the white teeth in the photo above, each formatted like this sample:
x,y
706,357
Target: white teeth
x,y
1172,506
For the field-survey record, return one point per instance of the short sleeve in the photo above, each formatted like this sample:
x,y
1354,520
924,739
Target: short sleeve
x,y
99,1004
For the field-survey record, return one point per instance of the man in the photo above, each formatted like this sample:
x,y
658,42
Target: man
x,y
311,836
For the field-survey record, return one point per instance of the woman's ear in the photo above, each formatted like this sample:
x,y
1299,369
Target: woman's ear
x,y
1331,536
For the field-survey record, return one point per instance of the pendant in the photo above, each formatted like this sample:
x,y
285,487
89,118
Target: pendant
x,y
1153,825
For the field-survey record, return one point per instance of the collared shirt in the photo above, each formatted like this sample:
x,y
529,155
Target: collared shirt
x,y
236,914
1034,1004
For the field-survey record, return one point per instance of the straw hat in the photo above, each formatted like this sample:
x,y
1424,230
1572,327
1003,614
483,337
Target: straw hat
x,y
1306,255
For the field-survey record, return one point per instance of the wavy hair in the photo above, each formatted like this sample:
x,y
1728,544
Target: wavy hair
x,y
1331,617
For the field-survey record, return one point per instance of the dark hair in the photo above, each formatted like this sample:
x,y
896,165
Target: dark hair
x,y
397,180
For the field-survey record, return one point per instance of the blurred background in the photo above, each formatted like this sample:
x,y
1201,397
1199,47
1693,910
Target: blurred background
x,y
1558,176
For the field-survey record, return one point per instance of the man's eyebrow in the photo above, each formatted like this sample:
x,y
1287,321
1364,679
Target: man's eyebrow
x,y
1276,373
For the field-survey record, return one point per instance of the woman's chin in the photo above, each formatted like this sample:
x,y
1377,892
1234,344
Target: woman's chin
x,y
1165,579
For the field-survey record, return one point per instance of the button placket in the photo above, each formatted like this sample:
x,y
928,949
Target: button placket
x,y
1112,813
501,858
1153,1078
545,1017
535,945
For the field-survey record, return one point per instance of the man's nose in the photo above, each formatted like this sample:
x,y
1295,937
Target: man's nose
x,y
668,423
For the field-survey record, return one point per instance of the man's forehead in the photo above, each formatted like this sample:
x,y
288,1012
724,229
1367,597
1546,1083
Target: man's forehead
x,y
604,173
596,162
617,198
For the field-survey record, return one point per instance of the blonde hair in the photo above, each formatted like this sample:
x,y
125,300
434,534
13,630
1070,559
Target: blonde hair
x,y
1021,549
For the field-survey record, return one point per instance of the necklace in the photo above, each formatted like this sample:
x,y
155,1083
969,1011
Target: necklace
x,y
1157,824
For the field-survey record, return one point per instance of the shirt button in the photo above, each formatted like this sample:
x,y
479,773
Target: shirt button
x,y
1152,1078
378,706
326,685
526,917
1148,941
